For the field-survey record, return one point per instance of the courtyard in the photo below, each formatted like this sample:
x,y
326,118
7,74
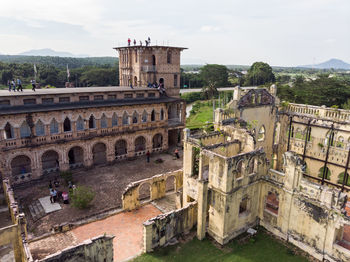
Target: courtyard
x,y
108,182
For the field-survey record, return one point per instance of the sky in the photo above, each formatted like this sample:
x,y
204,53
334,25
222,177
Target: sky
x,y
278,32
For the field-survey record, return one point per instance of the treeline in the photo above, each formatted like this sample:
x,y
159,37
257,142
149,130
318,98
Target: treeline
x,y
47,74
59,61
324,90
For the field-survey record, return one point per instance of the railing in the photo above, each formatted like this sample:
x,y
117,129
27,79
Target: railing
x,y
321,112
276,175
151,68
158,149
21,178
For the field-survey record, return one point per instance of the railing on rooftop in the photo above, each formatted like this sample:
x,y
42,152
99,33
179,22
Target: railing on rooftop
x,y
149,68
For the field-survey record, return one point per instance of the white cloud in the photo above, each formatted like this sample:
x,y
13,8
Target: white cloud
x,y
209,29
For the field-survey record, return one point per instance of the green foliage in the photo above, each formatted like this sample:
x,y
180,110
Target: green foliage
x,y
341,179
346,105
67,176
213,76
82,197
191,97
196,153
327,174
201,114
264,248
259,73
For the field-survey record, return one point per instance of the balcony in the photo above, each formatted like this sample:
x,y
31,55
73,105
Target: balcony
x,y
148,69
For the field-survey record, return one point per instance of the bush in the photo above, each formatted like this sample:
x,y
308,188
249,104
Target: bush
x,y
82,196
67,176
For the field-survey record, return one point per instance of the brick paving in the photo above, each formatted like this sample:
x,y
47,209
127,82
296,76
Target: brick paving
x,y
126,227
108,182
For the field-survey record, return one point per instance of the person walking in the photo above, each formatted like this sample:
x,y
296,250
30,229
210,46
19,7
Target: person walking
x,y
33,84
53,196
148,154
13,83
177,153
19,85
9,85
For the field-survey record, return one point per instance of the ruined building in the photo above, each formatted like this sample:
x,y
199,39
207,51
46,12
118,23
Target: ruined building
x,y
281,166
60,129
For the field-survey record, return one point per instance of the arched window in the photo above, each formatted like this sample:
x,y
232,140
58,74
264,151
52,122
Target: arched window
x,y
157,141
341,178
153,116
9,134
114,119
104,121
144,116
329,138
80,124
327,173
162,114
53,126
125,119
135,117
39,128
25,129
340,142
168,57
66,125
261,134
92,122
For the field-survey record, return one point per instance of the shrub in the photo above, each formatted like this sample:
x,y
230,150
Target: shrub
x,y
82,196
67,176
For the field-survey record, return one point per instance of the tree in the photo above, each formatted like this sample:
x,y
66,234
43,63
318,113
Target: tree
x,y
213,76
259,73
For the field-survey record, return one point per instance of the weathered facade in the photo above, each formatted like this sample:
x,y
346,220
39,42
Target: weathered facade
x,y
257,170
60,129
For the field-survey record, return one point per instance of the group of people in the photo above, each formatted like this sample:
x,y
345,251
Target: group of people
x,y
56,195
17,85
160,87
147,42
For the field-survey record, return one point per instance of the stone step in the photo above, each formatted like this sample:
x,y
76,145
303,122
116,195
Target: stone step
x,y
36,210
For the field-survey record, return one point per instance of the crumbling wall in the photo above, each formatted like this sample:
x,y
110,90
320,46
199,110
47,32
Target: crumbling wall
x,y
131,196
95,249
158,231
16,234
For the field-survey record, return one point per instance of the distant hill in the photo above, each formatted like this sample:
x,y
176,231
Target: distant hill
x,y
57,61
332,63
49,52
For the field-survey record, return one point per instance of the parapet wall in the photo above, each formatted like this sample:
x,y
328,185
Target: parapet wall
x,y
159,230
95,249
157,185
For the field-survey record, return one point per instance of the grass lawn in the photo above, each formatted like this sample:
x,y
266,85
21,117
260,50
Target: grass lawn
x,y
199,119
263,249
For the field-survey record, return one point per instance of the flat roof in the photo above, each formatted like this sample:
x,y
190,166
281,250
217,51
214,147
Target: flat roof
x,y
20,109
73,90
149,47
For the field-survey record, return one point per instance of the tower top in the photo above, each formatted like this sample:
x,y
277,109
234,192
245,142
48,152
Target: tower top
x,y
149,47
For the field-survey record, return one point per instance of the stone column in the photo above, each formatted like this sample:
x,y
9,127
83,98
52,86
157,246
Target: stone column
x,y
202,209
147,236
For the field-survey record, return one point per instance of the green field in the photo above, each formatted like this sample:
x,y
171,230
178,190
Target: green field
x,y
263,248
200,117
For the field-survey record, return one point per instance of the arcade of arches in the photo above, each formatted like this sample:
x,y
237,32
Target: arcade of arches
x,y
94,152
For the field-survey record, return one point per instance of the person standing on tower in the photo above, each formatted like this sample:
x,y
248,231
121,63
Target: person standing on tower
x,y
149,40
19,85
129,41
134,41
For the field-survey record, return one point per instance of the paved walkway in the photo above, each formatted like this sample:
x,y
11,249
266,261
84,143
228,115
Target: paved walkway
x,y
126,227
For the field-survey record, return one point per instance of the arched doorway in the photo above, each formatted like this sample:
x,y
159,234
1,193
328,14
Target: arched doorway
x,y
21,165
99,154
120,148
157,141
140,144
50,161
76,157
145,192
170,184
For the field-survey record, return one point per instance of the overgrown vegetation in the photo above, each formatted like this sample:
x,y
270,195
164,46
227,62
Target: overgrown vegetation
x,y
261,248
200,115
82,197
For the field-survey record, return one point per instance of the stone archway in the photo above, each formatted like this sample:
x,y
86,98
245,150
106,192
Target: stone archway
x,y
170,184
50,161
121,148
157,141
99,154
76,156
145,192
140,144
21,165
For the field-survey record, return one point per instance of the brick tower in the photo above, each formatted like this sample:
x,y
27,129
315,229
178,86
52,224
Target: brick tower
x,y
144,65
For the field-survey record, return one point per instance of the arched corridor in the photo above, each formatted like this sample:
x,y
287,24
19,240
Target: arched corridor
x,y
76,157
21,165
99,154
50,161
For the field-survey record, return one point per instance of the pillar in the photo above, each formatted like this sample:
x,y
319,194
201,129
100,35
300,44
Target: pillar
x,y
202,209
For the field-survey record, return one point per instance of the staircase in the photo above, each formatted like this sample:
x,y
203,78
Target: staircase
x,y
36,210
